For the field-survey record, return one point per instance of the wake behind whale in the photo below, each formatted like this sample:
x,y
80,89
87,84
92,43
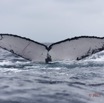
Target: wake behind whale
x,y
75,48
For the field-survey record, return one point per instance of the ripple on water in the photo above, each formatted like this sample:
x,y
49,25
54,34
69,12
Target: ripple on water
x,y
22,81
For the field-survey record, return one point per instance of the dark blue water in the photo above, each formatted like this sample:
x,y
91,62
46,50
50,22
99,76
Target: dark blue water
x,y
22,81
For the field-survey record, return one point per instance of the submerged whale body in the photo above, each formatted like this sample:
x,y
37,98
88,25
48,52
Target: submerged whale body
x,y
75,48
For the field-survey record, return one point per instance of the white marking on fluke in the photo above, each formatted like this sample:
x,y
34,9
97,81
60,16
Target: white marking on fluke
x,y
75,48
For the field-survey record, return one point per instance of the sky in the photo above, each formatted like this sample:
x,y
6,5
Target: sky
x,y
52,20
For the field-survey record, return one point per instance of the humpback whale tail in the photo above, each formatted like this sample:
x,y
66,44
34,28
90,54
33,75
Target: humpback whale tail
x,y
75,48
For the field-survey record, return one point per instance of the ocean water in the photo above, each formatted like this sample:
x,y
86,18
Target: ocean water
x,y
22,81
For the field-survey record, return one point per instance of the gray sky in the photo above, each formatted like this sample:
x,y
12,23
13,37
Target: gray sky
x,y
52,20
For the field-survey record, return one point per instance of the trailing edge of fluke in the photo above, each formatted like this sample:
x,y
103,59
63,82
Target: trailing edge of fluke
x,y
75,48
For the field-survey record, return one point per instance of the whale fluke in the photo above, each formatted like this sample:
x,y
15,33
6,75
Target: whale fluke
x,y
75,48
26,48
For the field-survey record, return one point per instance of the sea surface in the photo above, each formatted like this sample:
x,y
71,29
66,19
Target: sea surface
x,y
22,81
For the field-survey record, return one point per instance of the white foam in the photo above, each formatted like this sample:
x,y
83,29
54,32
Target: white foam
x,y
98,57
6,62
